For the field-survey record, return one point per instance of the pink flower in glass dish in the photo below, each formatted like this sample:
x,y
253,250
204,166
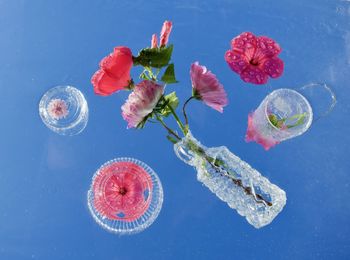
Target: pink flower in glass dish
x,y
119,191
57,109
253,134
141,102
207,88
254,58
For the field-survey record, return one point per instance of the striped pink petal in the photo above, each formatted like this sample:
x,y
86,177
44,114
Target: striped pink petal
x,y
141,102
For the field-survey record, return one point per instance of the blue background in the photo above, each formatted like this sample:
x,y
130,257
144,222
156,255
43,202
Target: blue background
x,y
44,177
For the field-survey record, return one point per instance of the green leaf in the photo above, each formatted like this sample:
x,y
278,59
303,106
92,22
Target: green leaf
x,y
273,119
170,100
154,57
169,75
300,121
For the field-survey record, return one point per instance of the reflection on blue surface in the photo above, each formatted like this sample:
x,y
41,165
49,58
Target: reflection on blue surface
x,y
44,177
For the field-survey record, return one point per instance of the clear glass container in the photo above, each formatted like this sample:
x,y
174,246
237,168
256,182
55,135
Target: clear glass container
x,y
233,181
125,196
64,110
282,115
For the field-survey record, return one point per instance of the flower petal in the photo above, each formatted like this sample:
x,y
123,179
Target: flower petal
x,y
154,42
253,135
141,102
273,67
117,63
267,47
105,85
255,75
245,43
236,61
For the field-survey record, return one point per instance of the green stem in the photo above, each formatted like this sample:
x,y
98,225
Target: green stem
x,y
170,131
150,73
184,110
218,164
177,119
279,123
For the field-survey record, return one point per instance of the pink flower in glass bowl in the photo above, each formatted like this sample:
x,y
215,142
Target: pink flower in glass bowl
x,y
58,109
141,102
254,58
207,88
119,191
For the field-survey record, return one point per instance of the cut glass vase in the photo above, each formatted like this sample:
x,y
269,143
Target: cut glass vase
x,y
233,181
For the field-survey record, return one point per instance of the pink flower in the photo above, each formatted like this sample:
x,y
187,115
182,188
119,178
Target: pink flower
x,y
253,134
114,73
164,34
154,42
119,191
207,88
141,102
254,58
57,109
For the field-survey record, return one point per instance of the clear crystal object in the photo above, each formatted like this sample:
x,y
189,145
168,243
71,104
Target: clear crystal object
x,y
64,110
125,196
233,181
285,103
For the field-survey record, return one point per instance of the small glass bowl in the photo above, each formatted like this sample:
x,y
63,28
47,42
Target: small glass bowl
x,y
64,110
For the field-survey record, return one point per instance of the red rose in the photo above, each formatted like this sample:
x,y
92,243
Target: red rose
x,y
114,72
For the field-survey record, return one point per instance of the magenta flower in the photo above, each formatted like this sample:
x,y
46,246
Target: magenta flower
x,y
164,34
57,109
254,58
141,102
254,135
207,88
